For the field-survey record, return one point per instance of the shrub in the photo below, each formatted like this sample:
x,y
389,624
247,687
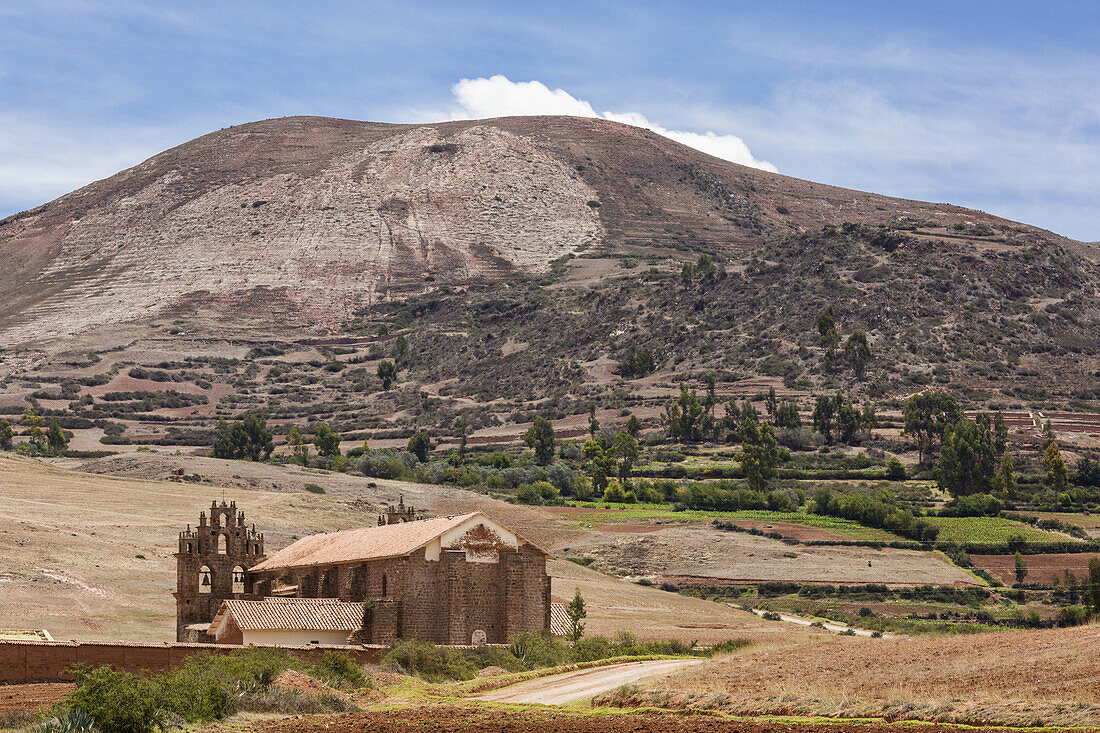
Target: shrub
x,y
314,489
119,702
895,471
429,662
292,702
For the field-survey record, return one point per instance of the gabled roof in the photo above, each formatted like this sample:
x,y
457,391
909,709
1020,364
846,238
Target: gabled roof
x,y
292,614
369,543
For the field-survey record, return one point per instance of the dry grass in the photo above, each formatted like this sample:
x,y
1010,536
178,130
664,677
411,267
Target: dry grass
x,y
1018,678
71,542
651,614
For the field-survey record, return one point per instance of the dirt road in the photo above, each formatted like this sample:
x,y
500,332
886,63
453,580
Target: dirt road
x,y
582,684
825,625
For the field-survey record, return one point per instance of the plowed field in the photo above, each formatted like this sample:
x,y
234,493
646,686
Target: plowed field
x,y
496,720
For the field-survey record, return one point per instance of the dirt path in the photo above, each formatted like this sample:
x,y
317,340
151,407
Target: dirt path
x,y
582,684
825,624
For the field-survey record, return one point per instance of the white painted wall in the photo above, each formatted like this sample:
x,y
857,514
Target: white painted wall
x,y
294,638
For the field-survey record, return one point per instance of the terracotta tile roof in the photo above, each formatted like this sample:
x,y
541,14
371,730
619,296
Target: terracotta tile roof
x,y
369,543
292,614
559,619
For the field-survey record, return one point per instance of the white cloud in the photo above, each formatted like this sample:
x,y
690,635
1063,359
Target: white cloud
x,y
498,96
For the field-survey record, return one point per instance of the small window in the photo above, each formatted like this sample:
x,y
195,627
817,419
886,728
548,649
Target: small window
x,y
384,589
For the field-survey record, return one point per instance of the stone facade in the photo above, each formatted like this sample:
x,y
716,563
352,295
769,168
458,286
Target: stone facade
x,y
476,582
211,566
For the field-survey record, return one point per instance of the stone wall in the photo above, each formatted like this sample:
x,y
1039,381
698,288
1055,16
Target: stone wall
x,y
28,661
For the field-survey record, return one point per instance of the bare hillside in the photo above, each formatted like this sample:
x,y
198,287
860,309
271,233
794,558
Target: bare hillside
x,y
300,221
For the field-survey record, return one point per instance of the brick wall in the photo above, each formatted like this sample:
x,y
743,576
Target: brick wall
x,y
44,661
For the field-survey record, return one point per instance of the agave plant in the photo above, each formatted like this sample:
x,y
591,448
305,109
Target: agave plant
x,y
73,720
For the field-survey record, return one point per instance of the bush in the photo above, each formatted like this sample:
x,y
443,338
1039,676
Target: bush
x,y
314,489
1073,616
292,702
118,702
895,471
429,662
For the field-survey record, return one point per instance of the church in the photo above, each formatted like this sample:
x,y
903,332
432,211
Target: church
x,y
463,579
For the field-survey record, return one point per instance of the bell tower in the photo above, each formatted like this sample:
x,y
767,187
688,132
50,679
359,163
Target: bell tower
x,y
211,565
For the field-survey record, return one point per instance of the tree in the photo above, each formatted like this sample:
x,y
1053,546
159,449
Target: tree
x,y
827,334
848,423
299,446
1005,481
1021,568
400,349
625,451
636,363
259,440
593,423
540,438
687,272
771,404
967,461
685,417
600,465
420,444
869,419
577,613
758,455
326,440
463,428
634,425
1057,474
824,411
711,398
926,416
857,352
6,435
786,416
704,266
1000,433
1092,591
387,372
55,437
248,439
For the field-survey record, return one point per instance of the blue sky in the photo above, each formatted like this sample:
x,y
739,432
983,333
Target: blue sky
x,y
993,105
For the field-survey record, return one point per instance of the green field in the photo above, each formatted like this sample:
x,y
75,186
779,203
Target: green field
x,y
990,530
597,514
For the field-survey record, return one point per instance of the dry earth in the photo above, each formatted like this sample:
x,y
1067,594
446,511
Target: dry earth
x,y
550,720
704,552
1040,568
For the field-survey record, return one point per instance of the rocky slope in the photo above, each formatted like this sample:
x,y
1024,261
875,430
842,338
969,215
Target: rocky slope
x,y
298,222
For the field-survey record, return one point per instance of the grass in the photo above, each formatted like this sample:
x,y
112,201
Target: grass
x,y
989,530
601,514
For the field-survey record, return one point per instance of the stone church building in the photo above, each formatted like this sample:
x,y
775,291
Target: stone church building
x,y
450,580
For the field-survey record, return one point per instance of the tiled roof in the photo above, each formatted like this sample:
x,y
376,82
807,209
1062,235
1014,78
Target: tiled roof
x,y
292,614
559,619
369,543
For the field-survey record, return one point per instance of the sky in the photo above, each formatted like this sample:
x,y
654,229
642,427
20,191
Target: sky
x,y
991,105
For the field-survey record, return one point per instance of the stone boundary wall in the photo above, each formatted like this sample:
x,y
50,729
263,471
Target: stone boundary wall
x,y
44,661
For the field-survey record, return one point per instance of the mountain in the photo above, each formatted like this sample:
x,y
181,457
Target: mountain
x,y
524,257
